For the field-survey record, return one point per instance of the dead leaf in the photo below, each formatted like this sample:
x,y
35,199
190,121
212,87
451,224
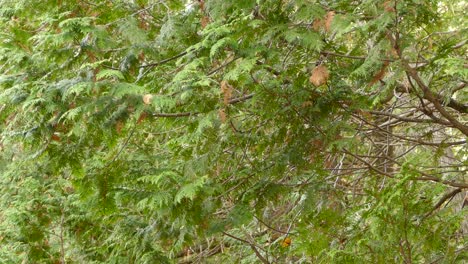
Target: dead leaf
x,y
317,144
91,56
202,4
286,242
307,104
226,89
55,137
141,56
222,115
319,75
328,164
379,75
366,114
388,6
204,21
118,126
142,117
328,20
317,24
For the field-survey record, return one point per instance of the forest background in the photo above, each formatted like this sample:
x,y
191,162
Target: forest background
x,y
250,131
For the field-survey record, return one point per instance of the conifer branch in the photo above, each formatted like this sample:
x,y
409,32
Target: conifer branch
x,y
164,61
254,248
442,200
186,114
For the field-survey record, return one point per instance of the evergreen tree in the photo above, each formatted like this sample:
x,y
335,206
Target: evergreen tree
x,y
250,131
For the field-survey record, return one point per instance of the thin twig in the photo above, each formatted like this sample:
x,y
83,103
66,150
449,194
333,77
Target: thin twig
x,y
164,61
257,253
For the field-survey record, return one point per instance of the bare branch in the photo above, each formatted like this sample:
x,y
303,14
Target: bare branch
x,y
428,95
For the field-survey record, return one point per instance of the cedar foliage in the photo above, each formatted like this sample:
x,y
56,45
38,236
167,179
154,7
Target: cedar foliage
x,y
117,144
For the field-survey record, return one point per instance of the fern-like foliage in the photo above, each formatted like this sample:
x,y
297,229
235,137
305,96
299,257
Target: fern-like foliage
x,y
294,131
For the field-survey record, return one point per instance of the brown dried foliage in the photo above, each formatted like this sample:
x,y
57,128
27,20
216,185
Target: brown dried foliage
x,y
307,104
141,56
202,4
316,146
204,21
142,117
222,115
226,90
55,137
118,126
324,23
91,56
328,20
317,24
388,6
379,75
319,75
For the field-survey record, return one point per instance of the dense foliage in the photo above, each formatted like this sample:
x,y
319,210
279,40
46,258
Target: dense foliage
x,y
269,131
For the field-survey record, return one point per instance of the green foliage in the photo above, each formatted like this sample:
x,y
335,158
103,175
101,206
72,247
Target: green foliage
x,y
190,131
